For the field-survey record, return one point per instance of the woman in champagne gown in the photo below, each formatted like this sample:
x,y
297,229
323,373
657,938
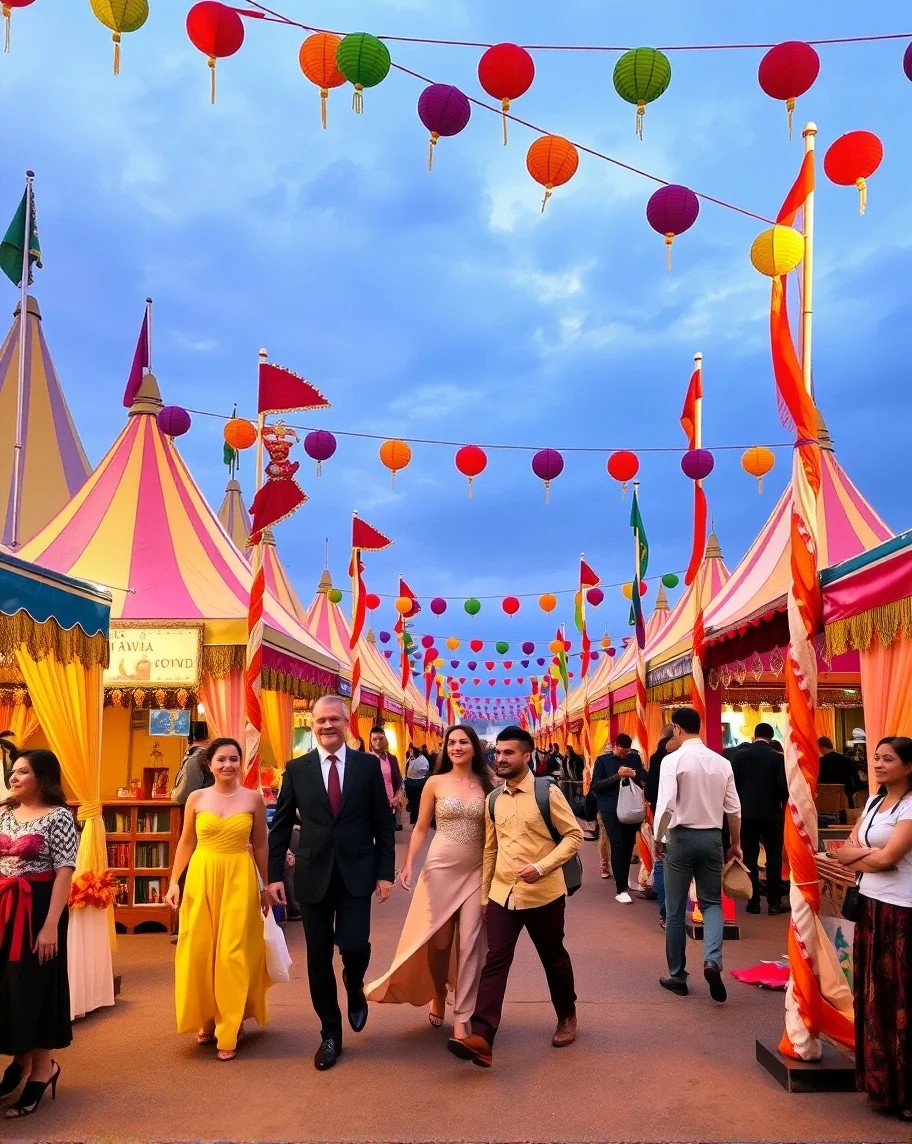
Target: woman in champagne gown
x,y
220,967
442,945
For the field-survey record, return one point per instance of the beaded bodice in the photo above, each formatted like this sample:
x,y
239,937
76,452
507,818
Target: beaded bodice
x,y
460,821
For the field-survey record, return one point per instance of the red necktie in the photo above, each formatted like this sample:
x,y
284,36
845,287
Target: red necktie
x,y
334,787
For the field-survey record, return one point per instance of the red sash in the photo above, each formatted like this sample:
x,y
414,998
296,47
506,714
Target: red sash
x,y
16,910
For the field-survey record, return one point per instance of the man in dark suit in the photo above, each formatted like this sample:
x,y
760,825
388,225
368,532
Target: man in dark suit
x,y
346,853
836,768
763,790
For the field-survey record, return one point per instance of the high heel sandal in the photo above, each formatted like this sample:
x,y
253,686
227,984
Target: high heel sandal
x,y
230,1054
204,1038
436,1019
32,1095
11,1080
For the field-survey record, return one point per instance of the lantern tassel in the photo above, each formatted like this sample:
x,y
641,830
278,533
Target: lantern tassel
x,y
505,103
862,195
470,488
358,99
790,108
759,486
116,38
434,137
319,468
324,96
547,492
669,239
6,39
641,111
548,189
212,79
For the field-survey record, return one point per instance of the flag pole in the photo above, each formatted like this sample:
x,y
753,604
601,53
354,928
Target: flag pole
x,y
253,667
807,272
698,692
23,350
149,332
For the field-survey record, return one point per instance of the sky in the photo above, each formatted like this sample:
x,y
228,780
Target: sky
x,y
446,305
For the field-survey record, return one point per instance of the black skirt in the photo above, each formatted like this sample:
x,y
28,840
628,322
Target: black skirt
x,y
34,998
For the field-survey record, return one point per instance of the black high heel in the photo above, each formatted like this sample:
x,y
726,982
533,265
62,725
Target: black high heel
x,y
32,1096
12,1078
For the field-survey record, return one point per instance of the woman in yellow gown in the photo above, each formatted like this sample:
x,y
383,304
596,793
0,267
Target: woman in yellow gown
x,y
220,968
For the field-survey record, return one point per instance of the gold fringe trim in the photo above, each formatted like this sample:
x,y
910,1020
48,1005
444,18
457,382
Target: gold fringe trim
x,y
290,684
856,633
40,640
220,659
675,689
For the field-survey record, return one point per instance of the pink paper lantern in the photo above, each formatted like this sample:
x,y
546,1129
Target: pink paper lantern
x,y
595,596
438,606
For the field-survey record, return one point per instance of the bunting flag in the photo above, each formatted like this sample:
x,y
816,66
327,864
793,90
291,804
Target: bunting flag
x,y
641,564
401,632
365,538
588,578
562,661
282,390
140,364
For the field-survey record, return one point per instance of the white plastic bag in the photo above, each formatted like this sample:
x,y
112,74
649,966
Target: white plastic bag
x,y
631,806
278,959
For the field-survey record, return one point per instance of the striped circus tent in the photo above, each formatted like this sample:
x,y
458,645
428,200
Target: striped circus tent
x,y
234,517
54,462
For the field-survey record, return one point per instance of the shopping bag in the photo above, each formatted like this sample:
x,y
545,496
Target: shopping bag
x,y
631,807
736,880
278,959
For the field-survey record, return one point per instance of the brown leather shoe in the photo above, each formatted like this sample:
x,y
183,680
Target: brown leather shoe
x,y
472,1048
565,1033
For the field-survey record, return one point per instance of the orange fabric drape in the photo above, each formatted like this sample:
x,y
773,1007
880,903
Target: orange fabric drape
x,y
223,701
20,719
886,690
825,722
655,721
627,724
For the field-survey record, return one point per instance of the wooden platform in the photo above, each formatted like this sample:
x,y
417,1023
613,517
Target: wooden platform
x,y
833,1073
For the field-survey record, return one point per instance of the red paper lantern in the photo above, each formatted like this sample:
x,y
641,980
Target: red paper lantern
x,y
510,605
7,6
595,596
506,72
216,30
623,466
372,601
787,71
471,462
851,160
476,645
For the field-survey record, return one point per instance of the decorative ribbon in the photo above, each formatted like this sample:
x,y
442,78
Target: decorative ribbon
x,y
16,911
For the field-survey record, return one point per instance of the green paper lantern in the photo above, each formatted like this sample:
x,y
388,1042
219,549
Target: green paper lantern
x,y
640,76
502,647
364,61
472,606
335,595
670,580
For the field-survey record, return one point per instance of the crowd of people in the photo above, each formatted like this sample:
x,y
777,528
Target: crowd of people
x,y
503,858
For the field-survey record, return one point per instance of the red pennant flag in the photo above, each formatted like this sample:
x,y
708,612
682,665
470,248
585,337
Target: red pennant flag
x,y
284,391
405,590
140,363
689,412
367,538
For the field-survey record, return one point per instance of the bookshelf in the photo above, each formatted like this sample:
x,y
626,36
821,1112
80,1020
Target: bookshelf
x,y
142,835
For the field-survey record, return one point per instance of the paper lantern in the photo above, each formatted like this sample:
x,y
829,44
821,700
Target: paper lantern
x,y
438,663
595,596
438,605
670,211
471,462
427,641
388,654
556,646
508,663
395,455
364,61
547,465
640,77
524,662
777,251
217,31
317,58
787,71
552,161
907,62
445,111
611,651
547,602
670,580
627,590
852,160
371,601
452,643
697,464
506,72
491,682
385,637
472,665
489,665
476,645
239,433
404,605
118,15
502,647
606,643
476,681
335,595
319,445
623,466
472,606
757,462
540,662
173,421
510,605
528,647
8,5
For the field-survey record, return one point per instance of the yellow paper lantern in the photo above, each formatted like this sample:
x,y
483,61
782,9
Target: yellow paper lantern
x,y
554,671
627,591
120,16
452,643
404,605
777,251
438,663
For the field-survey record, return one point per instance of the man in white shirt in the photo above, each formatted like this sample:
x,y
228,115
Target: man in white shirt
x,y
696,792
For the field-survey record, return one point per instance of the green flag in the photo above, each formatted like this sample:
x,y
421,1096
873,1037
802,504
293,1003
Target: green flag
x,y
641,564
11,247
228,455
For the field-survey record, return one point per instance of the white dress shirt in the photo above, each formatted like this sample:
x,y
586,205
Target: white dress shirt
x,y
696,789
325,764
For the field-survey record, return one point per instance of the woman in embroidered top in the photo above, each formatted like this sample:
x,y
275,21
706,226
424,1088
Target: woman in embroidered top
x,y
442,943
37,859
880,848
220,968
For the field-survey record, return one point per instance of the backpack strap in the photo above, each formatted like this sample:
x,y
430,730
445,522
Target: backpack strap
x,y
492,797
543,801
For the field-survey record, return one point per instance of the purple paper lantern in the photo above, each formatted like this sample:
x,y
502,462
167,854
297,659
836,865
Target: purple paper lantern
x,y
697,464
472,664
595,596
438,606
384,637
319,445
524,662
173,421
907,62
540,662
670,211
444,110
611,652
547,465
388,654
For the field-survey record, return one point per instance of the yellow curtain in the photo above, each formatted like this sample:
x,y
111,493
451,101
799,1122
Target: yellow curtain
x,y
223,701
278,723
655,721
68,699
886,691
365,722
825,722
20,719
599,731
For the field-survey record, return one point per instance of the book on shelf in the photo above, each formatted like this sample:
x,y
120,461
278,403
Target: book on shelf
x,y
117,821
118,855
151,855
123,892
153,822
149,891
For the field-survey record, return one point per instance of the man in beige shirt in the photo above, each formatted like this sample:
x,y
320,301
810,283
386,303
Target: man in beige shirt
x,y
522,886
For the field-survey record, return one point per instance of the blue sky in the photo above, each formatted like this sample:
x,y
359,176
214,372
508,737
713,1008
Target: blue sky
x,y
444,305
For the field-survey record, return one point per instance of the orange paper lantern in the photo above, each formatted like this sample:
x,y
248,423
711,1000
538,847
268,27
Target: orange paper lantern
x,y
404,605
395,455
240,433
552,161
758,461
317,58
547,603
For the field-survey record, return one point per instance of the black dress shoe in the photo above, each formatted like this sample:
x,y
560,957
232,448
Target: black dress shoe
x,y
357,1006
776,908
713,975
674,986
327,1054
753,907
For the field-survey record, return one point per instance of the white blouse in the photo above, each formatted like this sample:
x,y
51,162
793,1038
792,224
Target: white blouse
x,y
891,886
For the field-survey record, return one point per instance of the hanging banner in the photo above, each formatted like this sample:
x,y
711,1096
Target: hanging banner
x,y
167,655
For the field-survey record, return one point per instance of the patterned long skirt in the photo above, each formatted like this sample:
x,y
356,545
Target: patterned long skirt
x,y
883,1001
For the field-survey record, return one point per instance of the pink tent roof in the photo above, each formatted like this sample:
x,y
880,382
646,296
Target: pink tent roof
x,y
847,525
676,636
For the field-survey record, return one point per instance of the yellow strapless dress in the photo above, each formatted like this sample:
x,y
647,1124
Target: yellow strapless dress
x,y
220,967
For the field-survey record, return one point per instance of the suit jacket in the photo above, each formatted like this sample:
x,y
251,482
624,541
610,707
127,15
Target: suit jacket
x,y
760,779
395,773
360,843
